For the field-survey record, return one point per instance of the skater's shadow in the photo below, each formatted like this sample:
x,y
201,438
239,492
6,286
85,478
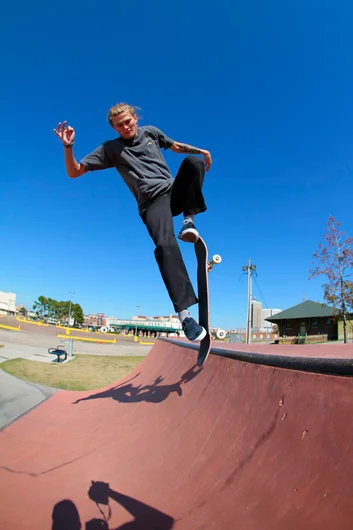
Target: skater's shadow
x,y
65,515
154,393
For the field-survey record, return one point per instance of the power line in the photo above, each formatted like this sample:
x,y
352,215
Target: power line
x,y
257,285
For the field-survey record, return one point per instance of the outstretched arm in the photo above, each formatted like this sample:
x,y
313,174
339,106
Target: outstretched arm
x,y
178,147
144,515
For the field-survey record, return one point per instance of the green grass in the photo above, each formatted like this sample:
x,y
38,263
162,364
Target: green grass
x,y
84,372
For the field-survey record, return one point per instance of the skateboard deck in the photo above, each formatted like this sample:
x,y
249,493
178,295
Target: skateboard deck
x,y
203,268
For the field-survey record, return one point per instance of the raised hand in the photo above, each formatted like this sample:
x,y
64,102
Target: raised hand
x,y
99,492
66,134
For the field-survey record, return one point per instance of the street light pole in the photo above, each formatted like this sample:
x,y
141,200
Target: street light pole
x,y
68,325
249,269
73,294
137,307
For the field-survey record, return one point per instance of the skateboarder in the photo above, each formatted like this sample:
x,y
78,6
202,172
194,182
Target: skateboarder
x,y
136,155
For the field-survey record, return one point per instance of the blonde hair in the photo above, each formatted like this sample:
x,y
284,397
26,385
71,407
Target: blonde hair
x,y
119,108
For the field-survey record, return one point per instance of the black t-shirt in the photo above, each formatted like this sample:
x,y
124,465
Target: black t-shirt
x,y
139,161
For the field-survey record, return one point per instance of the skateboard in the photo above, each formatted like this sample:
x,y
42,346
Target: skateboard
x,y
203,268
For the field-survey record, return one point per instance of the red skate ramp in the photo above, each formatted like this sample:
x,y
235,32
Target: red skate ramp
x,y
237,445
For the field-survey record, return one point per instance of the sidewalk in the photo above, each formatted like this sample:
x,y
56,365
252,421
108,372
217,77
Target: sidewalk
x,y
18,397
23,351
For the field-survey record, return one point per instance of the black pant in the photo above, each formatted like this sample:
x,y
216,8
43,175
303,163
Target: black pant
x,y
184,197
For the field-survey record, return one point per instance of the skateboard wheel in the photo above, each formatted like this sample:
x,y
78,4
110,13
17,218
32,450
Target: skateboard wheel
x,y
216,259
221,334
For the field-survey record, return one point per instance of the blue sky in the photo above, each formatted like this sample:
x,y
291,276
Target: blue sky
x,y
265,86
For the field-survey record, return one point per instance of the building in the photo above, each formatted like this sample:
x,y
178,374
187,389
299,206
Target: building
x,y
7,303
100,319
257,336
256,319
157,325
259,317
266,313
94,321
313,320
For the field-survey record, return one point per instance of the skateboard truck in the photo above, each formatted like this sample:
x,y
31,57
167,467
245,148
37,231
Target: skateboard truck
x,y
216,259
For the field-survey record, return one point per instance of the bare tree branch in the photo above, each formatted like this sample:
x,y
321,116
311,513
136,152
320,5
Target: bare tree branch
x,y
334,259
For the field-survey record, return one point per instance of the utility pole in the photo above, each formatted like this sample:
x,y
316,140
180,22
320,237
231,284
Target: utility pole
x,y
249,269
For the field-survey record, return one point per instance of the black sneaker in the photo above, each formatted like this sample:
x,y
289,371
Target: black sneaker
x,y
193,330
188,233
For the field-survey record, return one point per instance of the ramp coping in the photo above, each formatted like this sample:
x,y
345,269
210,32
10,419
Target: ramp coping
x,y
337,366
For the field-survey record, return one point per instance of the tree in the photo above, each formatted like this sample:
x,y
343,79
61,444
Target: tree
x,y
50,308
36,307
77,313
23,311
275,328
40,306
334,259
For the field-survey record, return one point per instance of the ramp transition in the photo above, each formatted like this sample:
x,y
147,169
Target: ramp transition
x,y
237,445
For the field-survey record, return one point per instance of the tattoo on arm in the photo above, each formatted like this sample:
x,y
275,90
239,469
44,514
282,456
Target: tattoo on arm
x,y
184,148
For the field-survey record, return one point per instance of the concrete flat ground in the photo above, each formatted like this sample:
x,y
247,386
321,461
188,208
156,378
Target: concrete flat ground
x,y
32,341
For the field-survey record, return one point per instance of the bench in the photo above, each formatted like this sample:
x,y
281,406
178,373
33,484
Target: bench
x,y
58,351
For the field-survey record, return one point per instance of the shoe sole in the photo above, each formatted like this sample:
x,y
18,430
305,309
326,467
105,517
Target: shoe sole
x,y
189,236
